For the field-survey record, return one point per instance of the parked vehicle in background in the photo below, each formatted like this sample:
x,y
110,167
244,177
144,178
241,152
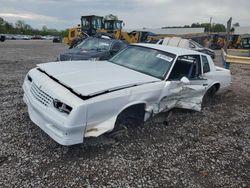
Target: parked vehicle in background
x,y
77,99
49,37
37,37
57,39
2,38
245,42
93,48
26,37
186,43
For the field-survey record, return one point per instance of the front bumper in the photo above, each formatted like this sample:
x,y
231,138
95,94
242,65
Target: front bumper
x,y
51,121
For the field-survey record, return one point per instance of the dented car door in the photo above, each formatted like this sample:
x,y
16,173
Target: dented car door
x,y
185,86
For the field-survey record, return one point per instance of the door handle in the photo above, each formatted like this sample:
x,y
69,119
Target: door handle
x,y
205,84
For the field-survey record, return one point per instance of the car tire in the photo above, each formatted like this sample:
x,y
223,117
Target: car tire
x,y
209,95
2,38
133,116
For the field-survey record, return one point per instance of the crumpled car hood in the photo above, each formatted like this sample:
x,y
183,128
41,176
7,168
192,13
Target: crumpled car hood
x,y
89,78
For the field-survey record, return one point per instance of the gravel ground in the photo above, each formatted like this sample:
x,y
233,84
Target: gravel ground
x,y
181,148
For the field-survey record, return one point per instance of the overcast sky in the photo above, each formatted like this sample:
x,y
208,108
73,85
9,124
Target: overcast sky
x,y
61,14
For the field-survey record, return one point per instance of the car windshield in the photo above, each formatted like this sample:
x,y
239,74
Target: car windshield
x,y
95,44
149,61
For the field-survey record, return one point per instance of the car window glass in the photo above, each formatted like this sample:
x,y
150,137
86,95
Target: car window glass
x,y
145,60
205,63
72,33
117,46
197,44
95,44
188,66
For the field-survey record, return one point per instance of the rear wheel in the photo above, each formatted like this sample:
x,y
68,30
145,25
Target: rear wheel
x,y
211,91
209,94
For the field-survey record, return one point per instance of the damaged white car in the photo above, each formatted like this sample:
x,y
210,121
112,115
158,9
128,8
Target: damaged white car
x,y
78,99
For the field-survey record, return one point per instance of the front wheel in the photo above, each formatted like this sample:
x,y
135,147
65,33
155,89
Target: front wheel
x,y
132,116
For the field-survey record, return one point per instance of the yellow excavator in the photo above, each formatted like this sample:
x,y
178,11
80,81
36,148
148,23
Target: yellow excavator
x,y
109,25
73,33
91,25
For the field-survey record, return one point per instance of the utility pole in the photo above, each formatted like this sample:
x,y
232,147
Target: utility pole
x,y
210,25
229,23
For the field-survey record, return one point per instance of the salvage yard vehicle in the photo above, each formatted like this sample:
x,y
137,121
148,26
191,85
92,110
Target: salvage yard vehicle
x,y
186,43
57,39
93,48
77,99
2,38
245,42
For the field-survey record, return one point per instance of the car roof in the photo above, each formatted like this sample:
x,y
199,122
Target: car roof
x,y
170,49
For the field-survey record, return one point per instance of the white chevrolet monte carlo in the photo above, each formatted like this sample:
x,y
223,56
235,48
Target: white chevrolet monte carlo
x,y
72,100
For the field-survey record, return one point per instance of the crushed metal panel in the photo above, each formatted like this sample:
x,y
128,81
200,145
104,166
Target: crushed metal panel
x,y
182,96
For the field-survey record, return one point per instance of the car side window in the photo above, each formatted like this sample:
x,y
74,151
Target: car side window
x,y
206,67
117,46
188,66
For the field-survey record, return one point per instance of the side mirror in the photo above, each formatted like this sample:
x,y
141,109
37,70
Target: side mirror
x,y
185,80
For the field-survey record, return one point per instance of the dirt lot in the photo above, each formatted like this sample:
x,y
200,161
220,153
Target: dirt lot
x,y
182,148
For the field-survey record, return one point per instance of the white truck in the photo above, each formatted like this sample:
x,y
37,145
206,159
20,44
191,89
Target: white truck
x,y
187,44
72,100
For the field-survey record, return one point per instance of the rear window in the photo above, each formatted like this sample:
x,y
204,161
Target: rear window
x,y
95,44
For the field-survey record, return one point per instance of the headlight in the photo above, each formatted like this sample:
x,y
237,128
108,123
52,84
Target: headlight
x,y
61,106
94,59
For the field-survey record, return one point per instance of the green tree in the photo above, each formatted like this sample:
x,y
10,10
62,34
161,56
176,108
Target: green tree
x,y
206,26
195,25
2,28
20,24
44,28
9,27
236,24
218,28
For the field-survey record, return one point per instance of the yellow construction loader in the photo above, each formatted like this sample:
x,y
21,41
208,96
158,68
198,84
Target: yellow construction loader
x,y
73,33
109,25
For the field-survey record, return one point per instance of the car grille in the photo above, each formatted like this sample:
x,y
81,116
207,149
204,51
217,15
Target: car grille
x,y
40,95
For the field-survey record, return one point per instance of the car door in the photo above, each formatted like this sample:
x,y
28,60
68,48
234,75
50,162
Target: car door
x,y
185,85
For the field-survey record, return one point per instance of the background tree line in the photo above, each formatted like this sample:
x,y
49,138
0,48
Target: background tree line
x,y
22,28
